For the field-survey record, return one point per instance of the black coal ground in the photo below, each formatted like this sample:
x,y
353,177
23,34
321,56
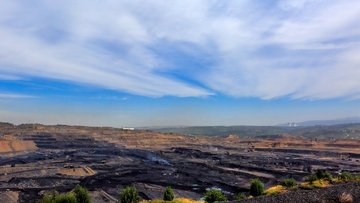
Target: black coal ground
x,y
189,171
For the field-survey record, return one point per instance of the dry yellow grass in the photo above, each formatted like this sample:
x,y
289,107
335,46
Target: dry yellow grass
x,y
177,200
275,190
318,183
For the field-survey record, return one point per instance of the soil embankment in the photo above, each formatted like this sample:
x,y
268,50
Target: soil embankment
x,y
9,197
15,146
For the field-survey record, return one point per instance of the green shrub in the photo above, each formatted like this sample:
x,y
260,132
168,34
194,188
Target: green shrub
x,y
68,198
328,176
311,178
82,195
240,196
320,174
212,196
256,188
168,194
56,198
45,199
345,176
288,183
129,195
357,177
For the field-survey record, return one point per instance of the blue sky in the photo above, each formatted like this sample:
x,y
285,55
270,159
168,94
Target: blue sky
x,y
189,62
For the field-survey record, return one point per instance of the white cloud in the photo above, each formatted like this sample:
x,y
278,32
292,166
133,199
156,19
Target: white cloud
x,y
304,49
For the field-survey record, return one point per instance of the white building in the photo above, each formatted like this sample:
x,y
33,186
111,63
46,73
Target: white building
x,y
128,128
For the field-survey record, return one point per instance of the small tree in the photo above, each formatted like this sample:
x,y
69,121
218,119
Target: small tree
x,y
82,195
213,195
168,194
320,174
240,196
256,188
129,195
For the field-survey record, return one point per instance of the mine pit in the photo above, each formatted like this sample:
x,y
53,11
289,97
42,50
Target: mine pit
x,y
106,162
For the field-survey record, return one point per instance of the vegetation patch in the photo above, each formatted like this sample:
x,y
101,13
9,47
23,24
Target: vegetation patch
x,y
212,196
256,188
80,195
240,196
288,183
177,200
275,190
168,194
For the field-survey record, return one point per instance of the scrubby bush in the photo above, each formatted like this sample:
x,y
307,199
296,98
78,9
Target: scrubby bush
x,y
240,196
256,188
46,199
288,183
328,176
168,194
212,196
311,178
82,195
68,198
345,176
57,198
129,195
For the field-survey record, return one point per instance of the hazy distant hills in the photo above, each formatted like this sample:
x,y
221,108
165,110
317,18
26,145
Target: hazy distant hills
x,y
339,131
327,122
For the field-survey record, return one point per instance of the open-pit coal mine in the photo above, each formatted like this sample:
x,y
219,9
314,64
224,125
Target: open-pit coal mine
x,y
36,159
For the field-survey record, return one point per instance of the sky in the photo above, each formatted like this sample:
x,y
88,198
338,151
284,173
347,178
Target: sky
x,y
138,63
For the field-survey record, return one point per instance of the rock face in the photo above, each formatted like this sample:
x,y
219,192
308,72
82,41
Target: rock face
x,y
328,194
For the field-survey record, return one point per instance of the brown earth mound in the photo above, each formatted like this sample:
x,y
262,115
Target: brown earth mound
x,y
8,137
9,197
15,146
231,137
83,171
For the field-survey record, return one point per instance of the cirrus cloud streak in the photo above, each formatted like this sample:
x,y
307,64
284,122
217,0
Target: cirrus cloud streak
x,y
300,49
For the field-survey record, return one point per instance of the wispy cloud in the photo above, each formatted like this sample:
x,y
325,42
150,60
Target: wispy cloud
x,y
16,96
112,97
9,77
302,49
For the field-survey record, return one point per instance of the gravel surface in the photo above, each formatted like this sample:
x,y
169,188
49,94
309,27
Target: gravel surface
x,y
307,196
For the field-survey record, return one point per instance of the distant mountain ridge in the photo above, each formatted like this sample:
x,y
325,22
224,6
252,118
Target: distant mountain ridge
x,y
327,122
